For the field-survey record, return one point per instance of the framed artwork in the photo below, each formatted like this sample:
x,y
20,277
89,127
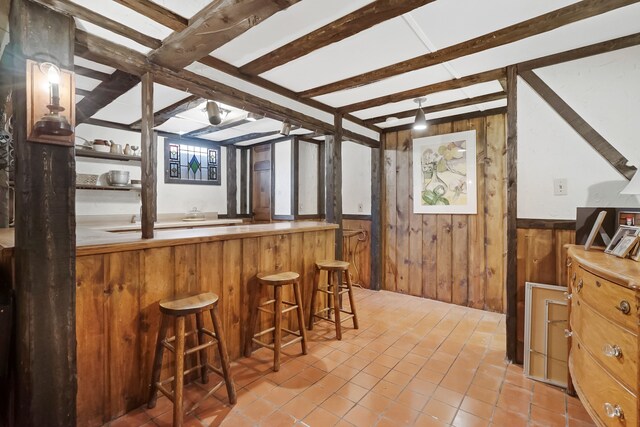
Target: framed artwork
x,y
191,162
623,239
444,174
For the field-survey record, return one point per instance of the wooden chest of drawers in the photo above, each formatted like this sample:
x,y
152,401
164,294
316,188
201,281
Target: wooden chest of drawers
x,y
604,323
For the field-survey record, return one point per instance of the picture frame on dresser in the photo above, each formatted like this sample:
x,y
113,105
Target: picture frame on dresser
x,y
620,237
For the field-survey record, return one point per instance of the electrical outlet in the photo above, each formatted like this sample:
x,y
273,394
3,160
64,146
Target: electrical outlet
x,y
560,187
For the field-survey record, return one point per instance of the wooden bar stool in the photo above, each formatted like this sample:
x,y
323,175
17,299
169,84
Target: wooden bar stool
x,y
277,281
334,289
178,309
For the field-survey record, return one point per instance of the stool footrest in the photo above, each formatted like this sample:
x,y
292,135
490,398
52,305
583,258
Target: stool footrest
x,y
286,310
206,396
348,316
166,392
200,347
297,339
266,331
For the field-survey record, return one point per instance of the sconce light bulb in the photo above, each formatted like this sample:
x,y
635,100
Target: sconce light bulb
x,y
53,75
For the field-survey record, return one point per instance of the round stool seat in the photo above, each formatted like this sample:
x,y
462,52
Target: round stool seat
x,y
188,305
332,264
275,279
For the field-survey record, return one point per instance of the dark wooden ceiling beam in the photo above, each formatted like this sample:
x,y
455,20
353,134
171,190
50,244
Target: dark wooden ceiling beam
x,y
215,128
157,13
582,52
166,113
82,92
442,107
247,137
449,119
549,21
69,8
104,51
92,74
104,94
483,77
581,126
347,26
215,25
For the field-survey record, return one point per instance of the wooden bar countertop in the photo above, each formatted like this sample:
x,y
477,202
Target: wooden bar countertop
x,y
91,241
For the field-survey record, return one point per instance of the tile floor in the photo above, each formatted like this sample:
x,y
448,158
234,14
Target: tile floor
x,y
413,362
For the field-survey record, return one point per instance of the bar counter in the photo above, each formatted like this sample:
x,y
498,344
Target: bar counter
x,y
120,278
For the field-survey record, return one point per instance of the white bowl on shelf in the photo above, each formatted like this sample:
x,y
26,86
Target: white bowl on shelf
x,y
101,148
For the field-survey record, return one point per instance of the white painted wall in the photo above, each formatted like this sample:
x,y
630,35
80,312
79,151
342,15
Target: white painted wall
x,y
604,90
172,198
282,165
308,178
356,179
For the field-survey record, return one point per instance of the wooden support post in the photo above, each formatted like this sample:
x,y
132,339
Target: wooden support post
x,y
512,212
149,158
295,176
377,160
333,181
232,182
244,182
45,236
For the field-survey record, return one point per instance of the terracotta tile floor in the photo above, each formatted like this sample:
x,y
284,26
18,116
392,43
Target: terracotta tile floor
x,y
413,362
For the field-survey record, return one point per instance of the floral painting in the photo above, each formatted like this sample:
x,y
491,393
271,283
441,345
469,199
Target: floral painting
x,y
444,173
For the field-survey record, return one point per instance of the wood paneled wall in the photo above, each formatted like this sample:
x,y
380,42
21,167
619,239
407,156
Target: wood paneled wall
x,y
541,259
451,258
118,316
359,253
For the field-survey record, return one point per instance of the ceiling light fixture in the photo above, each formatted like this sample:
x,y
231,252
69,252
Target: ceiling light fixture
x,y
286,128
252,117
420,123
213,113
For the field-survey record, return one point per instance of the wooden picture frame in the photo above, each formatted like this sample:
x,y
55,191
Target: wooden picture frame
x,y
624,246
623,231
597,225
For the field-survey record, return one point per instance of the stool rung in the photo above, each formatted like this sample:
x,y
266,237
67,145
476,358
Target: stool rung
x,y
168,346
264,310
289,331
271,301
210,333
286,310
206,396
329,319
165,392
215,370
199,347
187,334
266,331
283,345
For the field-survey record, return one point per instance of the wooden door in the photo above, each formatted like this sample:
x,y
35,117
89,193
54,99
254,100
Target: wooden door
x,y
261,176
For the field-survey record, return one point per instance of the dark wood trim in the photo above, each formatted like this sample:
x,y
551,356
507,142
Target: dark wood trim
x,y
439,120
157,13
322,210
311,216
548,224
377,208
172,110
244,156
82,92
582,52
295,176
573,119
239,216
232,182
108,124
213,26
270,141
149,159
248,137
92,74
44,352
217,128
272,204
250,201
522,30
512,212
360,139
473,79
104,94
69,8
333,181
283,217
358,217
442,107
347,26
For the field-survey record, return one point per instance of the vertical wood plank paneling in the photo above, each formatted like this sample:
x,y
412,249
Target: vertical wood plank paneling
x,y
267,263
495,212
248,282
430,256
358,251
390,215
477,252
562,238
297,265
415,235
231,276
459,260
403,211
308,259
91,338
123,287
443,268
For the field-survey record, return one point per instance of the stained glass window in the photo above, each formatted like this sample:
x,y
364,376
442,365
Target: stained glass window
x,y
191,162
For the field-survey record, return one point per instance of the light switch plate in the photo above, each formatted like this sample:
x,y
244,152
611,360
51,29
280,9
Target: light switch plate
x,y
560,187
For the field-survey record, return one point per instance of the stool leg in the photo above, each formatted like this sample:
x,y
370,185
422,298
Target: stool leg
x,y
253,316
352,301
277,333
157,361
178,379
330,298
314,292
336,307
303,333
203,353
224,355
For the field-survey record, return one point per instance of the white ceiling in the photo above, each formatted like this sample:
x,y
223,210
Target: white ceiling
x,y
437,25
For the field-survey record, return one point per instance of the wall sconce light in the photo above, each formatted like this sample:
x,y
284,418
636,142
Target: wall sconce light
x,y
420,123
286,128
213,113
50,91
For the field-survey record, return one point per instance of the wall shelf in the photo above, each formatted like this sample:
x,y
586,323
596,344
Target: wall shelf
x,y
107,156
107,187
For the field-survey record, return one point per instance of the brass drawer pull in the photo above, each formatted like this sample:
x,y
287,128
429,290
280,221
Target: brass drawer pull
x,y
613,411
624,307
567,333
567,295
579,285
612,351
568,262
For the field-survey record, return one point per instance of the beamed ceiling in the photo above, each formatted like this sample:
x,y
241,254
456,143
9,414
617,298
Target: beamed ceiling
x,y
307,60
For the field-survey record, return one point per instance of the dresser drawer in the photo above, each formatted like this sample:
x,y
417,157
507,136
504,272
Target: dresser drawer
x,y
595,332
597,388
607,298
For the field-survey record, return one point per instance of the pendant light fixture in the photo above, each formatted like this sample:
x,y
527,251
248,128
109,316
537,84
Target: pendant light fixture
x,y
286,128
213,113
420,123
